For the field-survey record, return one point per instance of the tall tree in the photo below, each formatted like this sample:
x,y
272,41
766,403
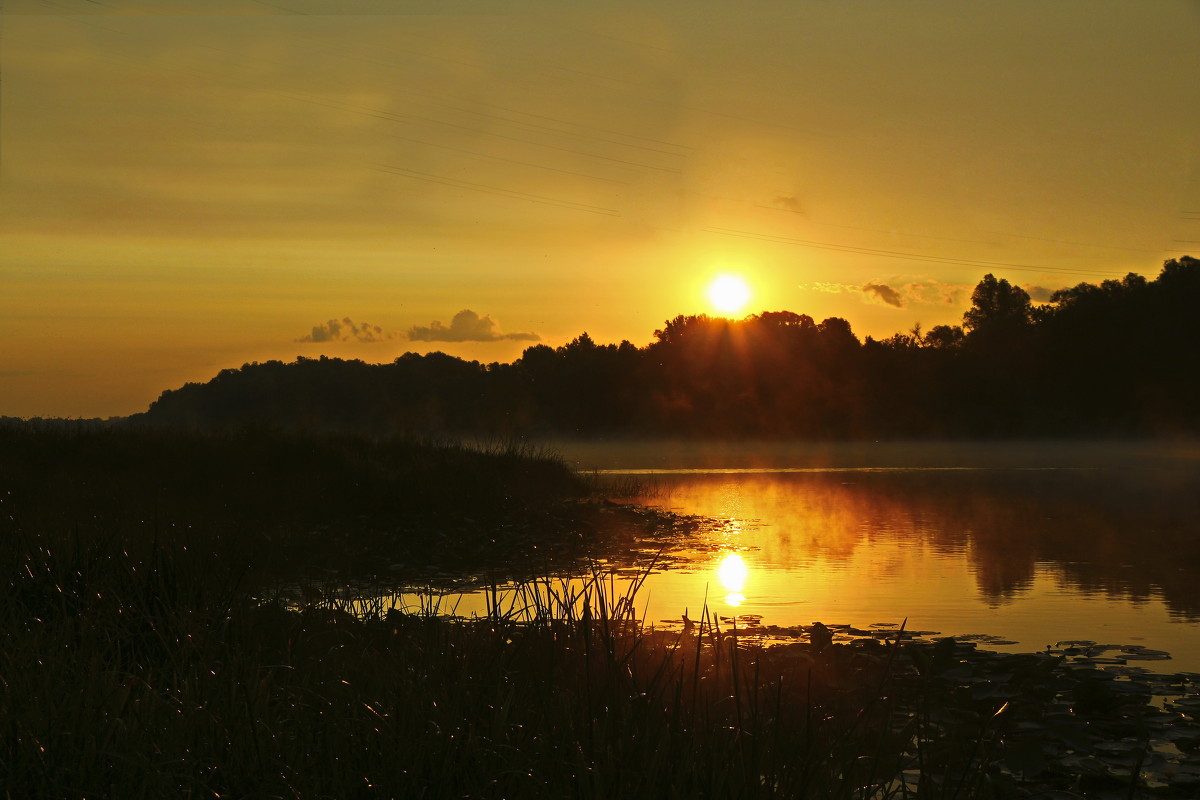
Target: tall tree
x,y
997,304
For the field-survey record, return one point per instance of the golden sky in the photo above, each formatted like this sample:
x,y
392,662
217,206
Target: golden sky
x,y
189,185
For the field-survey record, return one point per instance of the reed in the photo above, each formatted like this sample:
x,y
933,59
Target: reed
x,y
164,674
160,675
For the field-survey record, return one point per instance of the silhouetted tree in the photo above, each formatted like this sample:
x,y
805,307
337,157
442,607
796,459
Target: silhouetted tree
x,y
1115,358
997,305
943,336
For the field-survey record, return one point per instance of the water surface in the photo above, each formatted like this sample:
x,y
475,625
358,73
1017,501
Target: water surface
x,y
1034,545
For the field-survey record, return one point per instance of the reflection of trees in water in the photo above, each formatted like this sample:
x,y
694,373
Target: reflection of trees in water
x,y
999,575
1121,534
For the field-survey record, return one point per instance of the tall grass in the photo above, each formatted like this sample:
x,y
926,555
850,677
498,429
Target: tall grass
x,y
159,675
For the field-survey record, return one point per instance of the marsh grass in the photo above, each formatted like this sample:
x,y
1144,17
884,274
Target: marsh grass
x,y
158,676
164,676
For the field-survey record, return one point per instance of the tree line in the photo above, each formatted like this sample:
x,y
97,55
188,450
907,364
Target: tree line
x,y
1110,359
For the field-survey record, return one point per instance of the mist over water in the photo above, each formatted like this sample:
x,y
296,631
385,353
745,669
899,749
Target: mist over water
x,y
1132,456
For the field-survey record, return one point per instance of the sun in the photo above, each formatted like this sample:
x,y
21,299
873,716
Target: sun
x,y
728,293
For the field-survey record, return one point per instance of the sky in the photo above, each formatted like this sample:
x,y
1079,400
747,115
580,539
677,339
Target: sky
x,y
191,185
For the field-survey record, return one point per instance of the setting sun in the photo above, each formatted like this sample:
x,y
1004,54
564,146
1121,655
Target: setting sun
x,y
728,293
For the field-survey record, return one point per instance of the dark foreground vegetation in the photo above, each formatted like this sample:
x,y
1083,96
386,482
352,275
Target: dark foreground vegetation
x,y
159,681
297,506
145,650
1114,359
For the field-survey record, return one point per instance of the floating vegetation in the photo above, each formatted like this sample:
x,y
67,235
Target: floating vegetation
x,y
1076,717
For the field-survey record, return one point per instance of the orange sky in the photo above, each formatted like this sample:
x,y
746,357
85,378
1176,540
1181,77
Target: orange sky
x,y
186,191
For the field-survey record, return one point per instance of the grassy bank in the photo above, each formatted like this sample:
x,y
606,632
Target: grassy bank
x,y
310,506
138,658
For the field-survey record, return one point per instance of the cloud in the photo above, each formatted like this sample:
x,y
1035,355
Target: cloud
x,y
788,202
830,288
467,326
884,293
933,293
899,292
1039,294
347,330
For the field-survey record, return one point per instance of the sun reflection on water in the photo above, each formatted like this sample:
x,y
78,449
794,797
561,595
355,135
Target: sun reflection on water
x,y
951,550
732,572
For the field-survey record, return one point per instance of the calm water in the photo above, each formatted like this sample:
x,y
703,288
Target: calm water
x,y
1035,546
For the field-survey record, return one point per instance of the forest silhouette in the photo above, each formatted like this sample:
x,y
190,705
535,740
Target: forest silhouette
x,y
1113,359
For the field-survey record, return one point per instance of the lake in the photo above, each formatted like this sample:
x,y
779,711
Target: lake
x,y
1029,545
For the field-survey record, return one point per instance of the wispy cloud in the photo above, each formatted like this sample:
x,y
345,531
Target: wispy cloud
x,y
1039,294
933,293
347,330
898,292
467,326
831,288
788,202
884,294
